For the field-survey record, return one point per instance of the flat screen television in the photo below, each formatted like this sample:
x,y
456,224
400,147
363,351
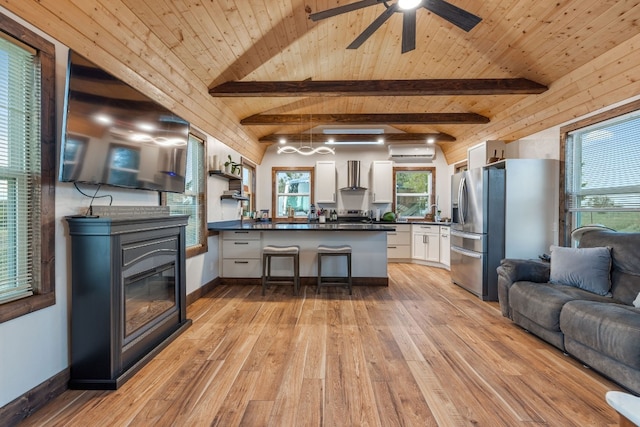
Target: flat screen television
x,y
115,135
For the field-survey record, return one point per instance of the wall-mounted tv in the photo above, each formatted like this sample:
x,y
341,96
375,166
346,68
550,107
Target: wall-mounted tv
x,y
115,135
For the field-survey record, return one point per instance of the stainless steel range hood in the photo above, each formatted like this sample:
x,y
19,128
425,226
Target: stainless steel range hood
x,y
353,176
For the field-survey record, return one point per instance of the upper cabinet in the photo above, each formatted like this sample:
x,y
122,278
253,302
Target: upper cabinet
x,y
382,181
325,182
484,153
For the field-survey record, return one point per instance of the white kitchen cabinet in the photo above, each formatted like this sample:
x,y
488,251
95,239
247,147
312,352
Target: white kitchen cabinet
x,y
445,245
241,252
381,178
478,155
425,242
325,182
399,243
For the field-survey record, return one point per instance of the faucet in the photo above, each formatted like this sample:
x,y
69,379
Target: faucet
x,y
436,217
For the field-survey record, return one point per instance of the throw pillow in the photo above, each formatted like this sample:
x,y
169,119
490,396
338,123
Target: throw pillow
x,y
584,268
636,302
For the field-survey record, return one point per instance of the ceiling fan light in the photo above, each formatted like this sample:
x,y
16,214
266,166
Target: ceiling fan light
x,y
409,4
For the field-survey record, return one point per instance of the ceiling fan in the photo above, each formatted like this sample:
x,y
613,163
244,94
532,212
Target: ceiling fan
x,y
458,17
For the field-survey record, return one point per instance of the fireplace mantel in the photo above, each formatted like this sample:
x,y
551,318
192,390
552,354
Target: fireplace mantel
x,y
128,295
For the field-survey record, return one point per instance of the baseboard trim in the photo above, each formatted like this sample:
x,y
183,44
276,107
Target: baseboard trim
x,y
203,290
305,281
20,408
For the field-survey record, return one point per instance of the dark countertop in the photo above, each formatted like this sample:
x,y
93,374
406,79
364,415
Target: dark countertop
x,y
303,226
446,224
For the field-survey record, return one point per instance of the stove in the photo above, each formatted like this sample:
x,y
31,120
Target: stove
x,y
353,215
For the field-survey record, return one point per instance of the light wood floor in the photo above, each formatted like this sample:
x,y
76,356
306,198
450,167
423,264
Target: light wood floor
x,y
422,352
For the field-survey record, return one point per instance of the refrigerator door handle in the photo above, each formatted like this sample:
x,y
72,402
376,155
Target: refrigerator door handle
x,y
465,235
462,204
465,252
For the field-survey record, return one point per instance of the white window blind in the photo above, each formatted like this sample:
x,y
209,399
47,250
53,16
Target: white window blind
x,y
19,170
602,178
191,201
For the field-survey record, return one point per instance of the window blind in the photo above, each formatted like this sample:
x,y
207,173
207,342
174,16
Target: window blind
x,y
602,182
191,201
602,174
19,170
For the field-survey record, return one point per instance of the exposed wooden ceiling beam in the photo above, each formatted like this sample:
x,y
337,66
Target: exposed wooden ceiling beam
x,y
359,137
362,119
430,87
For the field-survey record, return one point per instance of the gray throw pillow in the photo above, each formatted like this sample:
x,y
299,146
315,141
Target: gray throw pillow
x,y
584,268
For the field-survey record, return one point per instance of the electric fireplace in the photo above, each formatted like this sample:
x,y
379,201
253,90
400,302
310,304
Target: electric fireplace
x,y
128,295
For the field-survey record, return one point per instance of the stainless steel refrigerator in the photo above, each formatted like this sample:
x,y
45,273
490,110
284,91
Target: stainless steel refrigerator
x,y
507,210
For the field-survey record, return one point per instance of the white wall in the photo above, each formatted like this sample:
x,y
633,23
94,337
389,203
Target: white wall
x,y
349,199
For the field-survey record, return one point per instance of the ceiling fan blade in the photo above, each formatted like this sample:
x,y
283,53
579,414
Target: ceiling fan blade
x,y
409,30
381,19
342,9
458,17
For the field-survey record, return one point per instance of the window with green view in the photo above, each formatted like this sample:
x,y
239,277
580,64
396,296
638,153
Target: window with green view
x,y
414,192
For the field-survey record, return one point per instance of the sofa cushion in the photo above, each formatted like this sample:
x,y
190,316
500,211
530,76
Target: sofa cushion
x,y
585,268
625,261
542,302
608,328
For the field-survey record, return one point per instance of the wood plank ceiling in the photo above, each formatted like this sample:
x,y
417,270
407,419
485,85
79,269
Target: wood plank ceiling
x,y
584,51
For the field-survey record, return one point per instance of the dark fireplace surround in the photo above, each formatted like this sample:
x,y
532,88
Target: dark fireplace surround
x,y
128,295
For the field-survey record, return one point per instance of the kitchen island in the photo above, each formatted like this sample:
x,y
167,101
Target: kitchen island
x,y
241,246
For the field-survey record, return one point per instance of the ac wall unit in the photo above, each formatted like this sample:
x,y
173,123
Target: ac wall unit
x,y
412,153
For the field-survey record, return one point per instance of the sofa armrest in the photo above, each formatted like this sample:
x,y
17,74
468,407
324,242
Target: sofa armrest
x,y
515,270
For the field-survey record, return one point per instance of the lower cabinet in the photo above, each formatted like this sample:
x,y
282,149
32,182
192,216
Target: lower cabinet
x,y
425,242
399,243
241,254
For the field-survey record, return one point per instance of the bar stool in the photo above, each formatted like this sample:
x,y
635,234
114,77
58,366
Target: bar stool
x,y
270,251
333,251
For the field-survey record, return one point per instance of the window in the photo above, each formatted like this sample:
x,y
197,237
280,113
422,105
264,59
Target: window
x,y
602,184
192,201
292,188
27,171
248,186
413,188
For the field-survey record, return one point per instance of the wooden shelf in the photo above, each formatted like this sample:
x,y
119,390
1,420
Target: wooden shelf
x,y
223,174
228,197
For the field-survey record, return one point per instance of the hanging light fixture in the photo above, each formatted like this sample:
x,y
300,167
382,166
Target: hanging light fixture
x,y
306,150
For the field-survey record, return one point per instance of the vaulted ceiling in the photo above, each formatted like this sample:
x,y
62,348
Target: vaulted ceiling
x,y
584,51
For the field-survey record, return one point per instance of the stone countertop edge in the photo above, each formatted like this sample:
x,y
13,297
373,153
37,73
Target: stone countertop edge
x,y
279,226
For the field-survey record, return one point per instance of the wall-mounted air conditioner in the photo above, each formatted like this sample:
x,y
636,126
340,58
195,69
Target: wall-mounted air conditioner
x,y
414,153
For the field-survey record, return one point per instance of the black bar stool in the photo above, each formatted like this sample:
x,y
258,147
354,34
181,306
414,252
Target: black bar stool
x,y
333,251
270,251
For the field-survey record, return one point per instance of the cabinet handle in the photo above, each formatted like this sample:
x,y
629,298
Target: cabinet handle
x,y
241,232
391,247
240,243
241,262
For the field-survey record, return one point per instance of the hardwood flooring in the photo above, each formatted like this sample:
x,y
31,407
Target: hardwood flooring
x,y
421,352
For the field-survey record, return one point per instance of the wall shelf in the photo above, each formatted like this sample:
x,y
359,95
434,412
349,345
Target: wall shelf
x,y
230,197
225,175
235,183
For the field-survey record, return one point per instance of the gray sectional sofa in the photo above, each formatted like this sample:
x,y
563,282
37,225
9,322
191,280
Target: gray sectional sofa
x,y
598,326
